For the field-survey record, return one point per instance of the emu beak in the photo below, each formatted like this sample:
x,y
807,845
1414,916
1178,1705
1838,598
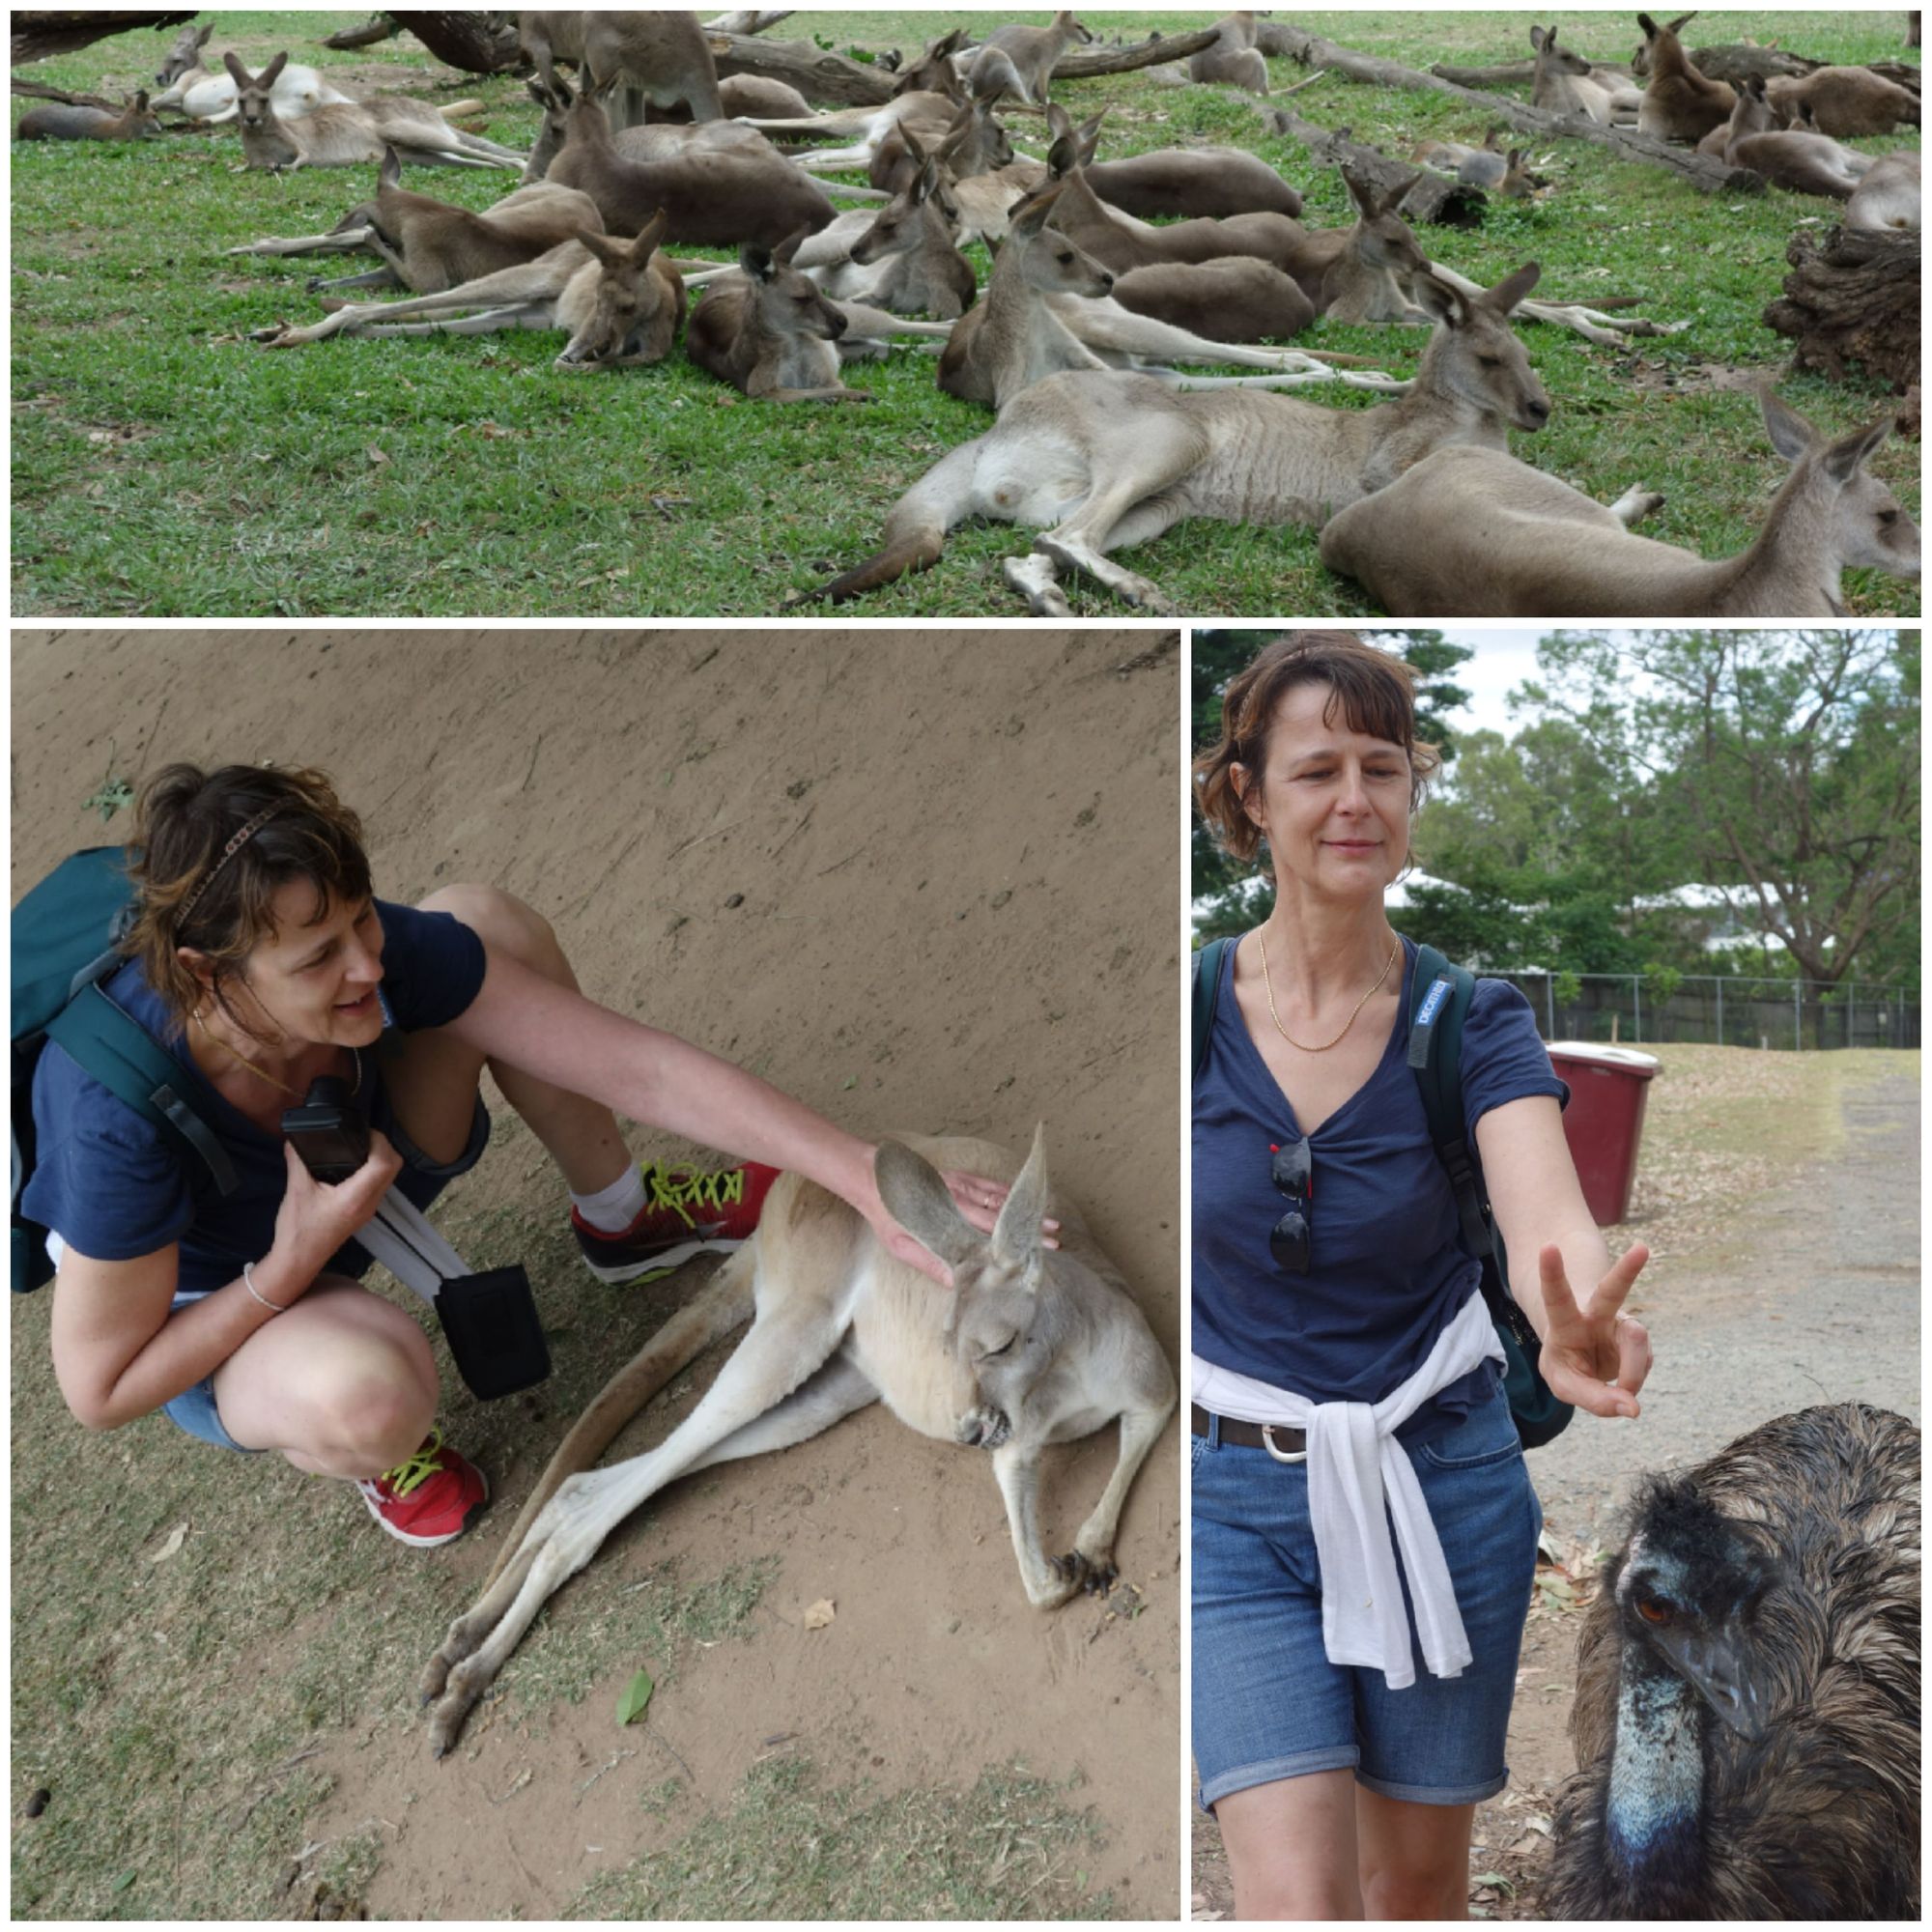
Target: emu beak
x,y
1716,1668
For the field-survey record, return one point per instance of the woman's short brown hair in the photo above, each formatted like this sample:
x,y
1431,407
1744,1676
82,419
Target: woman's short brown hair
x,y
1374,690
207,854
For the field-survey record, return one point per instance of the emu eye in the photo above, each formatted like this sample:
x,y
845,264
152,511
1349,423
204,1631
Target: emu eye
x,y
1655,1609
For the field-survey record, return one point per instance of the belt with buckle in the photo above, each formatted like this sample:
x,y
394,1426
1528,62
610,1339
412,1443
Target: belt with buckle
x,y
1285,1445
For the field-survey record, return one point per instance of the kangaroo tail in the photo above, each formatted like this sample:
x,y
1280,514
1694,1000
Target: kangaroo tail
x,y
940,500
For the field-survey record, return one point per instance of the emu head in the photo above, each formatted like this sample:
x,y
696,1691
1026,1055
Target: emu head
x,y
1003,1332
1688,1596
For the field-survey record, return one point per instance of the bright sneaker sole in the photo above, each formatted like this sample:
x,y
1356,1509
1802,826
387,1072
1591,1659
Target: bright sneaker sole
x,y
661,1263
430,1541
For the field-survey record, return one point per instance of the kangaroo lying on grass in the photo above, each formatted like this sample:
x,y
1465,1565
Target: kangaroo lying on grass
x,y
1033,1346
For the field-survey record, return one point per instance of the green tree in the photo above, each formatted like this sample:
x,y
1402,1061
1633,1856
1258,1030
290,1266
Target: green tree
x,y
1782,764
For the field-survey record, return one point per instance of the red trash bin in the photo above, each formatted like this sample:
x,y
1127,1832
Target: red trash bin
x,y
1603,1122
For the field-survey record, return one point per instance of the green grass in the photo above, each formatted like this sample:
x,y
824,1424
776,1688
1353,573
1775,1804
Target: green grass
x,y
163,465
1010,1848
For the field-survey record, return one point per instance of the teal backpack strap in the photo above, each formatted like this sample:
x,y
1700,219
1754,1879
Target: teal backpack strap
x,y
1207,996
114,1048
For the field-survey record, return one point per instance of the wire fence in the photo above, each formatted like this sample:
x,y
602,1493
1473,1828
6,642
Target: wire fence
x,y
1805,1014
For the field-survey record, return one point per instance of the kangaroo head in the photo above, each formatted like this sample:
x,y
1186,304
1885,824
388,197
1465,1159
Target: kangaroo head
x,y
584,119
1047,260
1069,28
1474,355
252,91
1003,1331
1382,238
1551,58
615,315
933,72
906,220
1869,528
184,56
789,302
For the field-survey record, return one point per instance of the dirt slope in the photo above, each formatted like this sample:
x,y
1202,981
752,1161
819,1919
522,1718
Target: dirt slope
x,y
923,880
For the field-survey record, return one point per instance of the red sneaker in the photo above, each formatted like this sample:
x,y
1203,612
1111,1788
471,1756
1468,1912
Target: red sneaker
x,y
690,1212
428,1498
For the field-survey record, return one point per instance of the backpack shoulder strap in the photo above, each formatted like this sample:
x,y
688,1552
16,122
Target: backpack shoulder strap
x,y
1207,996
1438,1008
113,1047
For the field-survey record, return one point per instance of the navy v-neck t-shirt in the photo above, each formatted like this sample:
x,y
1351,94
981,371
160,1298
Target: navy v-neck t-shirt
x,y
111,1184
1388,1270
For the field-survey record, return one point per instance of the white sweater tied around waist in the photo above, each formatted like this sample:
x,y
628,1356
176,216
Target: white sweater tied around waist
x,y
1356,1466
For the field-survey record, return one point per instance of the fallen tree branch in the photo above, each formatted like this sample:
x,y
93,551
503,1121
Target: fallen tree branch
x,y
1434,198
1711,176
40,34
818,73
1090,63
1855,298
469,42
1511,73
39,90
372,32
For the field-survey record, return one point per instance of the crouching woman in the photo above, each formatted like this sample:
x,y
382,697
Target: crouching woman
x,y
261,956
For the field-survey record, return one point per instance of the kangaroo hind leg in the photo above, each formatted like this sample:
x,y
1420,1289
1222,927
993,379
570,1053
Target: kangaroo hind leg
x,y
789,1340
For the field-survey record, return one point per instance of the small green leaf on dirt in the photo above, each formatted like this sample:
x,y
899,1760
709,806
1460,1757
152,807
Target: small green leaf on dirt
x,y
636,1694
122,1883
1496,1879
850,1081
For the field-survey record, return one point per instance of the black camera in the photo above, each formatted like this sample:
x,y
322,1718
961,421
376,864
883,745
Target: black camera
x,y
327,1133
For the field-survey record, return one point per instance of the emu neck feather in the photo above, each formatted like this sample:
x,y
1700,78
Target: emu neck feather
x,y
1656,1772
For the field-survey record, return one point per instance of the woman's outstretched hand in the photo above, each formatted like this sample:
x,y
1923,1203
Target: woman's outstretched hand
x,y
978,1202
1596,1356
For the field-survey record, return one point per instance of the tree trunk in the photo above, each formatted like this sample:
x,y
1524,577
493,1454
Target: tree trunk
x,y
817,74
1090,63
1854,298
470,42
1712,176
40,36
1434,198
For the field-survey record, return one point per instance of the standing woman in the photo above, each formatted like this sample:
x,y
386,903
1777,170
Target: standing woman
x,y
261,955
1346,1371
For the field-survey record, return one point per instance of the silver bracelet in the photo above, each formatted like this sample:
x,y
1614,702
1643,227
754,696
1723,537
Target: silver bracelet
x,y
248,1282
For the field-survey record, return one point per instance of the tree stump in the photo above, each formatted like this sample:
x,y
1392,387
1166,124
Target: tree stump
x,y
1852,298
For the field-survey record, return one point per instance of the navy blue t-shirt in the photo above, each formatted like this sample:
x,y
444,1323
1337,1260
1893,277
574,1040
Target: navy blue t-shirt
x,y
1388,1270
112,1185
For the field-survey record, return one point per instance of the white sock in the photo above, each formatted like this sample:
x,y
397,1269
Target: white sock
x,y
613,1209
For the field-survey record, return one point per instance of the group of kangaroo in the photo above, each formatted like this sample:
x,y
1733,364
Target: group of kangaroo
x,y
1110,274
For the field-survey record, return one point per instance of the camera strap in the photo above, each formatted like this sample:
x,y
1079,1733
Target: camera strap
x,y
402,1240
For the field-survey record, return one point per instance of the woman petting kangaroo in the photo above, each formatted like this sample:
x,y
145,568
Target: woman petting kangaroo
x,y
261,957
1349,1714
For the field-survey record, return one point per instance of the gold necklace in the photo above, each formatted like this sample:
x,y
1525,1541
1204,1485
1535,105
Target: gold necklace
x,y
1261,939
259,1072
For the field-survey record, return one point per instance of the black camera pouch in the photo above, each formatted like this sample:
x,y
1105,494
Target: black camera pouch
x,y
491,1323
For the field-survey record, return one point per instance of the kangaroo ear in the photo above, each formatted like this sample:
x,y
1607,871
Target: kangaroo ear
x,y
755,259
1444,303
1512,289
1537,37
237,73
1649,26
602,246
1850,454
1016,1234
1393,200
1791,436
1030,216
650,238
1087,137
140,101
273,69
1063,158
916,1198
789,248
390,173
540,94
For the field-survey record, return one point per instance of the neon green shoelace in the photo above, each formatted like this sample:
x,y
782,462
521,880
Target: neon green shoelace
x,y
412,1471
680,1189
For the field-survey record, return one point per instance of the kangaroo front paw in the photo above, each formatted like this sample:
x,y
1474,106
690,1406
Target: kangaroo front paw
x,y
1096,1576
982,1428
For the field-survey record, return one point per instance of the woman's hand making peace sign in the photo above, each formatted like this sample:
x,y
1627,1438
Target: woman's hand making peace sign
x,y
1594,1355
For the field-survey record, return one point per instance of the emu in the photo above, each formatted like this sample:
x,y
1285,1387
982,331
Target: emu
x,y
1747,1714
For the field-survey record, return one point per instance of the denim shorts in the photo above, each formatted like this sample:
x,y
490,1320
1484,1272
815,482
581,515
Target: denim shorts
x,y
1268,1704
194,1410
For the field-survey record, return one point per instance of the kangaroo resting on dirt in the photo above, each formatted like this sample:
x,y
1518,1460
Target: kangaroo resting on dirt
x,y
1033,1346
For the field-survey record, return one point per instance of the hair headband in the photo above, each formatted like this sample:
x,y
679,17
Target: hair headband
x,y
228,851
